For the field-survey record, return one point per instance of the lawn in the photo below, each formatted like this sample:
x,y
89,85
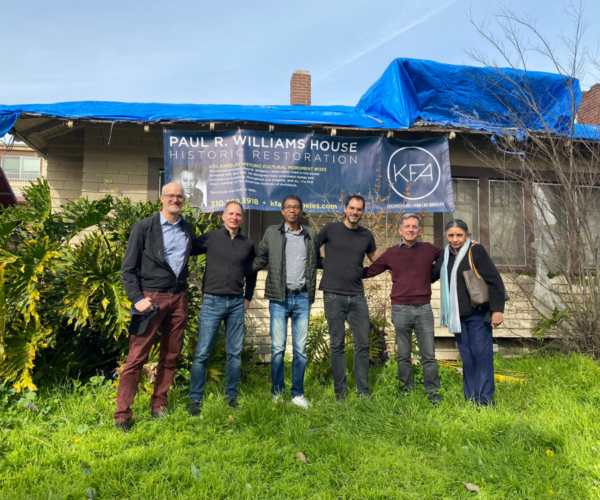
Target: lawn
x,y
543,441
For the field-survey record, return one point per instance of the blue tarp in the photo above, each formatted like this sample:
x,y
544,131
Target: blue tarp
x,y
153,112
409,90
467,96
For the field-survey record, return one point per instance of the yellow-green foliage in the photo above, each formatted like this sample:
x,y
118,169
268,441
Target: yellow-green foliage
x,y
54,296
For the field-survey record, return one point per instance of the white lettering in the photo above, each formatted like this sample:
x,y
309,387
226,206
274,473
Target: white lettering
x,y
294,156
345,147
172,140
354,159
340,158
353,147
291,143
214,155
219,141
239,139
182,142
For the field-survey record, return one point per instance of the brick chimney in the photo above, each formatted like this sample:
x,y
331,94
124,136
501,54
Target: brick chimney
x,y
589,109
300,88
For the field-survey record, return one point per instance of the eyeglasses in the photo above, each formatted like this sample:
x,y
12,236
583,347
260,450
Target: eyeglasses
x,y
292,207
179,197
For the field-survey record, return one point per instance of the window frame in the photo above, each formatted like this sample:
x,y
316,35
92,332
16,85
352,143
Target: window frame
x,y
20,173
484,175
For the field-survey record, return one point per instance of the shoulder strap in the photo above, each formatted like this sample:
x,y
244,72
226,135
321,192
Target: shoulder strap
x,y
471,263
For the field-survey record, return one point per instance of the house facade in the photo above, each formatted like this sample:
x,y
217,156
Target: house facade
x,y
93,157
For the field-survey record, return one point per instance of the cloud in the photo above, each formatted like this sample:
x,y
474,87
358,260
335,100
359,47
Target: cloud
x,y
353,57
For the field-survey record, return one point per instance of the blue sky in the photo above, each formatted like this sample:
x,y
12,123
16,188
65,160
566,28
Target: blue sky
x,y
241,52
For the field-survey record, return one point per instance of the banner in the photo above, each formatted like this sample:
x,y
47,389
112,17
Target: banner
x,y
259,168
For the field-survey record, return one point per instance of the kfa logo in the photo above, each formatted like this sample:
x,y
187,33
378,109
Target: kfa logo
x,y
414,170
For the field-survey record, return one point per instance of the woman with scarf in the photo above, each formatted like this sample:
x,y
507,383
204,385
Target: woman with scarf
x,y
472,326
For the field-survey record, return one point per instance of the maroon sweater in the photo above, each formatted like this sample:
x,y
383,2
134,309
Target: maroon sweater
x,y
411,271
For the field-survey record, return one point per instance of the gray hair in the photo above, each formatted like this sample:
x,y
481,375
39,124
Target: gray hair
x,y
162,191
410,216
459,223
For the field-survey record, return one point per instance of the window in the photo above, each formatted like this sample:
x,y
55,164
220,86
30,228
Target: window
x,y
550,227
507,223
589,213
466,205
21,168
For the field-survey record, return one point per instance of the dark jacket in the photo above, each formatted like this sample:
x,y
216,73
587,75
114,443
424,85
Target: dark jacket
x,y
227,259
488,271
144,266
271,252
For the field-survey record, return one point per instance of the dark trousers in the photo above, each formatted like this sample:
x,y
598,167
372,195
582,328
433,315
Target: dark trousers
x,y
476,347
417,318
354,309
172,318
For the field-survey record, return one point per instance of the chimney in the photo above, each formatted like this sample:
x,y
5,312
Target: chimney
x,y
300,88
589,109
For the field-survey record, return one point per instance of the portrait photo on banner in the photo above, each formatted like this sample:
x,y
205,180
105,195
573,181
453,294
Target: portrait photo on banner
x,y
193,180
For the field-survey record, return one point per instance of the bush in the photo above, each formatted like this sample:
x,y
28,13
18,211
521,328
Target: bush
x,y
63,308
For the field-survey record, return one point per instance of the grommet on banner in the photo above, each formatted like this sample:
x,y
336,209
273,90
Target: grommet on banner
x,y
452,135
70,124
146,128
333,132
271,127
212,125
390,134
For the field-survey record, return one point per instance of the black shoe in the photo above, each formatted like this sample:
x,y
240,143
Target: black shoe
x,y
162,413
233,403
435,399
340,397
195,408
122,425
405,392
364,395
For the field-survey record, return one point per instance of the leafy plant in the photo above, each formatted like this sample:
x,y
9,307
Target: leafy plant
x,y
62,305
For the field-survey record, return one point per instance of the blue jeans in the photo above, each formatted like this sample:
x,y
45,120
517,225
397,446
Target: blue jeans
x,y
476,346
217,308
296,307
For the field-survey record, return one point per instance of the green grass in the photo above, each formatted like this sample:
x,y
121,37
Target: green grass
x,y
390,447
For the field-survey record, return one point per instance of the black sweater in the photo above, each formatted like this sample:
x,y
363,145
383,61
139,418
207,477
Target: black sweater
x,y
226,261
488,271
144,266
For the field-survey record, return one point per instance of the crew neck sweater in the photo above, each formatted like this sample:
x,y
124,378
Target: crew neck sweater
x,y
411,272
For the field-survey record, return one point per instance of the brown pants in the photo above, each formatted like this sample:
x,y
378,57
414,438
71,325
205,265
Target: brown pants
x,y
172,318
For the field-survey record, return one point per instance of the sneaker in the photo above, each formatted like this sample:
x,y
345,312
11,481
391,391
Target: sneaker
x,y
233,403
340,397
300,401
276,397
364,395
195,408
435,399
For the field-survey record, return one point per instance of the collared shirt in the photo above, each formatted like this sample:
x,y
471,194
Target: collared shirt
x,y
402,244
295,257
175,243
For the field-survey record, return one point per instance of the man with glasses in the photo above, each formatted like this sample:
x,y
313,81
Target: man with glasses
x,y
228,254
154,274
346,244
291,250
